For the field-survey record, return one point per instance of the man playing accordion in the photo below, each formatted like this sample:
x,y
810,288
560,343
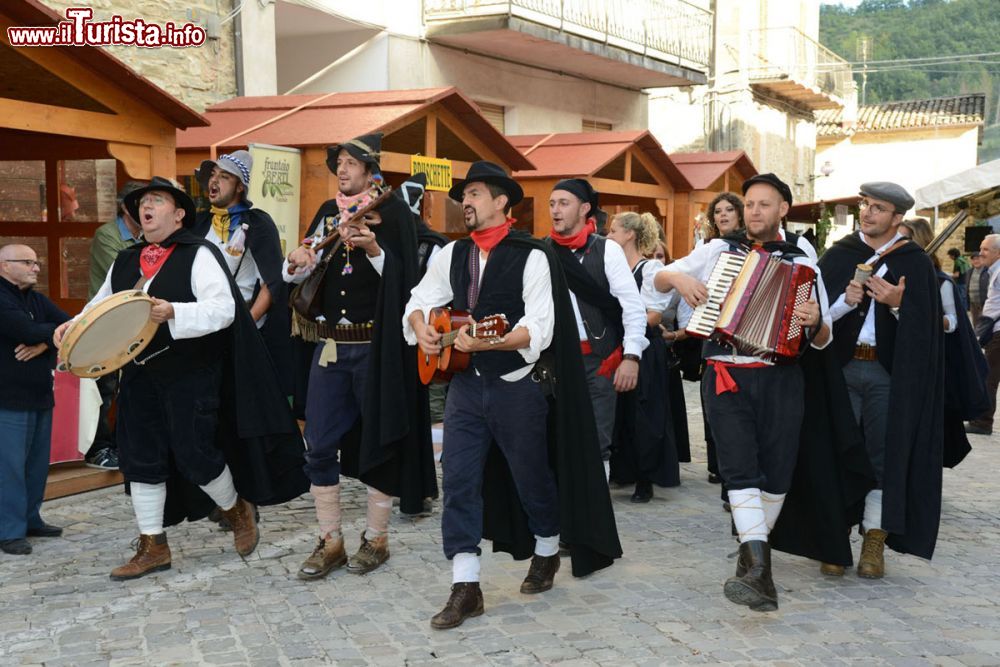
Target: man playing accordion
x,y
754,404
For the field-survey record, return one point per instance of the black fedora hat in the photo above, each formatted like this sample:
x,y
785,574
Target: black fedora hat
x,y
488,172
367,148
160,184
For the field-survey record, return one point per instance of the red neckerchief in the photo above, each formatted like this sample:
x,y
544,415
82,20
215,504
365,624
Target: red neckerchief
x,y
152,258
579,239
487,239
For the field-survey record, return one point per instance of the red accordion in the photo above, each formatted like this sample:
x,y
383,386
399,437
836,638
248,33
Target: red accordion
x,y
751,299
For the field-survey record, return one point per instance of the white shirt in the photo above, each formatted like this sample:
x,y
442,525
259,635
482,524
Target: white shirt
x,y
214,309
948,304
840,308
702,260
803,244
242,267
991,307
434,290
652,298
623,288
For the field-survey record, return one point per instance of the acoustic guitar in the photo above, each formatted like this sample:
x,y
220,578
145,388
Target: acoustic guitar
x,y
447,321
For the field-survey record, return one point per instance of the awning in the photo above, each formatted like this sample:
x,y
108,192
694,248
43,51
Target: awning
x,y
958,186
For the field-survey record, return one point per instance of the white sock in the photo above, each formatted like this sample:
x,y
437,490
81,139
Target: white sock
x,y
873,510
148,501
547,546
222,490
772,507
464,568
607,471
748,514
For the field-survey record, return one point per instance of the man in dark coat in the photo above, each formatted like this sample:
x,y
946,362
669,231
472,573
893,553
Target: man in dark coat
x,y
519,470
200,419
363,414
888,339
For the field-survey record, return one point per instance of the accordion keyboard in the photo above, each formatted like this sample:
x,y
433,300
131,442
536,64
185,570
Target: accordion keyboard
x,y
706,316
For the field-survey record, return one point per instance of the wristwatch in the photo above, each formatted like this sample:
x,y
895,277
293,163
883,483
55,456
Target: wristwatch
x,y
630,357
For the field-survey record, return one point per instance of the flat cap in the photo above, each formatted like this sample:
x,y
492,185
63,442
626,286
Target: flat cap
x,y
774,182
890,192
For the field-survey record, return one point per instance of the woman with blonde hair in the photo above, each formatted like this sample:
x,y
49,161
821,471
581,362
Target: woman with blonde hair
x,y
644,448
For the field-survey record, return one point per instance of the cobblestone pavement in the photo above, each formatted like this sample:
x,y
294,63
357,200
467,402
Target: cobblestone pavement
x,y
661,604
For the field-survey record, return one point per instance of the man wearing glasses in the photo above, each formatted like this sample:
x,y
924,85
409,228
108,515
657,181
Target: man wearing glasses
x,y
887,336
27,322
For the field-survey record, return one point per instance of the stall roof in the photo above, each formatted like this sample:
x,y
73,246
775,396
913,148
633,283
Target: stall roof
x,y
812,211
704,168
585,153
963,184
329,118
99,61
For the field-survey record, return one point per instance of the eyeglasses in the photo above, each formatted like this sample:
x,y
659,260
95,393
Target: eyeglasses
x,y
153,199
877,209
28,262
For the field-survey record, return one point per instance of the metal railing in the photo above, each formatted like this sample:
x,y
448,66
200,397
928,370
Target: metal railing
x,y
790,53
655,28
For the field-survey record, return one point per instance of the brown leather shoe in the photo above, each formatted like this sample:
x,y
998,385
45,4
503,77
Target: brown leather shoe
x,y
370,555
465,602
152,554
327,556
871,565
754,589
831,569
246,535
540,575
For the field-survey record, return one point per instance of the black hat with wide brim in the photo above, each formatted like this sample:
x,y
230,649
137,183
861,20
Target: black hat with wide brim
x,y
367,148
488,172
160,184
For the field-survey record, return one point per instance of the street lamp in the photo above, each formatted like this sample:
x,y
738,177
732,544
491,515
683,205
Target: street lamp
x,y
825,170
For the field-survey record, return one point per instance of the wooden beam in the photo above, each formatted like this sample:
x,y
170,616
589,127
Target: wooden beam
x,y
63,121
315,180
459,129
431,135
631,189
628,166
654,169
135,158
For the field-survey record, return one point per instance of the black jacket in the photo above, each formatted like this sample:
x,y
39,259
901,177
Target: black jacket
x,y
27,317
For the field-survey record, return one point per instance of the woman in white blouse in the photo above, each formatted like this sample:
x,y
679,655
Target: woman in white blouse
x,y
644,447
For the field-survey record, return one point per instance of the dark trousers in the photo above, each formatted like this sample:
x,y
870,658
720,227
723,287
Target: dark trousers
x,y
604,398
104,438
333,405
479,411
25,436
169,418
756,429
868,386
992,351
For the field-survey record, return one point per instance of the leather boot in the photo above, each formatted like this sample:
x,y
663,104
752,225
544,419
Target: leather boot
x,y
643,492
465,602
152,554
540,575
871,565
754,589
370,555
831,569
328,555
243,520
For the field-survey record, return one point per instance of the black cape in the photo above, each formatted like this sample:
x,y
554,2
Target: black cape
x,y
263,241
390,447
257,432
586,519
912,351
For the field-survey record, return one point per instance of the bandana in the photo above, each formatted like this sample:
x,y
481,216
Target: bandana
x,y
152,258
487,239
224,221
579,239
349,205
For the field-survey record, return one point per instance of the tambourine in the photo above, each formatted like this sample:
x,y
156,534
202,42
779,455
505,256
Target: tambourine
x,y
108,335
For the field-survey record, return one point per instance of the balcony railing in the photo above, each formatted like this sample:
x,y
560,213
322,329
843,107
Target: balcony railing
x,y
788,53
663,29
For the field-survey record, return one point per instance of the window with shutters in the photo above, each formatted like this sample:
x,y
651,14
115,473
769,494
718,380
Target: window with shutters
x,y
590,125
494,113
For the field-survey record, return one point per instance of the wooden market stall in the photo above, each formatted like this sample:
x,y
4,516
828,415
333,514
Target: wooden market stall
x,y
64,110
432,122
709,173
629,169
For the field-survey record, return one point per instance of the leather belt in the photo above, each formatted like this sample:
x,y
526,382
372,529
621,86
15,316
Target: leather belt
x,y
864,352
345,333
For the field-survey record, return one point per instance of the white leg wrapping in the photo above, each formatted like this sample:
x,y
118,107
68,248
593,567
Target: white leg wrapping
x,y
772,507
464,568
748,514
222,490
546,546
873,509
148,500
607,471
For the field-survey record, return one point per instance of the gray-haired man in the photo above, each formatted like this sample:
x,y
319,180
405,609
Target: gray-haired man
x,y
989,252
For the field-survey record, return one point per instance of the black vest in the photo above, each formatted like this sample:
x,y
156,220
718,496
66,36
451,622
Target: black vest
x,y
164,355
501,292
351,296
604,336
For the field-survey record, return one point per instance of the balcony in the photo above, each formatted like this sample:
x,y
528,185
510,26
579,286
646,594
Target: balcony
x,y
632,43
787,63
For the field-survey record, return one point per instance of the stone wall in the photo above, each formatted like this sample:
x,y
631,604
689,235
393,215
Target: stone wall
x,y
198,76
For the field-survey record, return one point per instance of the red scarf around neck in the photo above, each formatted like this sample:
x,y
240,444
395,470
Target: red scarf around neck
x,y
487,239
579,239
152,258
